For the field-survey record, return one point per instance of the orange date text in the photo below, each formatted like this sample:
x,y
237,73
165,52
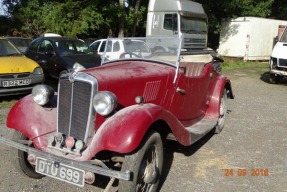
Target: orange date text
x,y
244,172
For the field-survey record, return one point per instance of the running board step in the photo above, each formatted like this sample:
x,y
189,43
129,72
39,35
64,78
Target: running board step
x,y
201,128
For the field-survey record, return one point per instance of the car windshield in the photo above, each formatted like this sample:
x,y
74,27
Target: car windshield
x,y
161,49
8,49
73,47
284,36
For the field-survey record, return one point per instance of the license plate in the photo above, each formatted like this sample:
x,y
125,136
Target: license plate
x,y
14,83
60,171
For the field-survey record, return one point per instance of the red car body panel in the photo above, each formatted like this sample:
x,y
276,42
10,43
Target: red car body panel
x,y
124,131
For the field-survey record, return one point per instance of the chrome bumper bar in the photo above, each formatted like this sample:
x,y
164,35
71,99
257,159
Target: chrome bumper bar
x,y
126,175
274,71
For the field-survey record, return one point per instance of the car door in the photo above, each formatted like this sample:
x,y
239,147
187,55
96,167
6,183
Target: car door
x,y
191,95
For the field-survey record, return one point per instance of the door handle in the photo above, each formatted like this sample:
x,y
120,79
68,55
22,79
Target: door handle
x,y
181,91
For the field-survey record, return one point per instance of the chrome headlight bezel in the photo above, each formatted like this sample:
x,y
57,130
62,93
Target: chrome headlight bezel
x,y
38,71
105,102
42,94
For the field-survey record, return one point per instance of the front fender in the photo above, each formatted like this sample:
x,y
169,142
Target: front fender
x,y
124,131
31,119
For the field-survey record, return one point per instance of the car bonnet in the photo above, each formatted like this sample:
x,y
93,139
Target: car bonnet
x,y
19,64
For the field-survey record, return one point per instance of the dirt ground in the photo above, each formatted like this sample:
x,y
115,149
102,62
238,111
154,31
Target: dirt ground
x,y
248,155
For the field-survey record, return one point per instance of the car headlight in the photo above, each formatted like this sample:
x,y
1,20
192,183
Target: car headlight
x,y
42,94
38,71
105,102
78,67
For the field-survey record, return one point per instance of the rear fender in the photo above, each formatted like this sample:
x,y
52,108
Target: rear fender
x,y
124,131
214,104
31,119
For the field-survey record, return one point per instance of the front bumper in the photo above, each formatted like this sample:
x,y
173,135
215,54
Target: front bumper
x,y
278,72
80,165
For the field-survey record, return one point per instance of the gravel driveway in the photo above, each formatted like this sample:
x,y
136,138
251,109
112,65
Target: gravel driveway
x,y
249,154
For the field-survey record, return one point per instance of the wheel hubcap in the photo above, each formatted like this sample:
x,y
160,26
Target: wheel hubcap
x,y
149,173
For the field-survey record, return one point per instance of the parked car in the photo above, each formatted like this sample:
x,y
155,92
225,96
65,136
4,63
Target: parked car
x,y
112,120
278,59
58,55
20,42
18,74
116,48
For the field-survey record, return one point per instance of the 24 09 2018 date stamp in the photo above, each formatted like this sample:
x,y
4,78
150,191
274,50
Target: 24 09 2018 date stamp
x,y
244,172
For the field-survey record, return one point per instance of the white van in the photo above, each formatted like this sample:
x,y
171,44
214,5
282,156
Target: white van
x,y
278,59
119,48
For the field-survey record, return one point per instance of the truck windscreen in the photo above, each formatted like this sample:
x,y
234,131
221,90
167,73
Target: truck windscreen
x,y
193,25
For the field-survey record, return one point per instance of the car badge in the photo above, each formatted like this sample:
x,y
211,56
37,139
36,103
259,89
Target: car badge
x,y
72,77
15,76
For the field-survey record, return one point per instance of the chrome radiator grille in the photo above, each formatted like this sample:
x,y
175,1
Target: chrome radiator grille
x,y
75,114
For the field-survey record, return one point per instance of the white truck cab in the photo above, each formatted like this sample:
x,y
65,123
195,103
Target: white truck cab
x,y
183,18
278,59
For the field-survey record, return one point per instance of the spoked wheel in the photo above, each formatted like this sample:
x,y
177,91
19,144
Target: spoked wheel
x,y
145,165
22,163
222,112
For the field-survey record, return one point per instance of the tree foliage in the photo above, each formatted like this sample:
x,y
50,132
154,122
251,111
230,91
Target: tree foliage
x,y
102,18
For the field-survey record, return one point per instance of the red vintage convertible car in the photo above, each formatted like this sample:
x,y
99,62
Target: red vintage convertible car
x,y
112,120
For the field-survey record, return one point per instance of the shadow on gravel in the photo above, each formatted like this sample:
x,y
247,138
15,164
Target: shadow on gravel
x,y
265,78
172,147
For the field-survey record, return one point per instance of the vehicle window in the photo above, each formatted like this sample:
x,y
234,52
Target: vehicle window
x,y
116,46
284,37
73,46
193,25
34,45
170,22
109,46
20,42
7,48
96,45
102,48
44,46
135,46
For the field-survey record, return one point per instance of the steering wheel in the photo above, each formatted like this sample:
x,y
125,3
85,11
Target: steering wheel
x,y
131,55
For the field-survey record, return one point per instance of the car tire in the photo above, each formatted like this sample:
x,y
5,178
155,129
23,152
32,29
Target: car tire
x,y
22,163
222,112
274,79
145,165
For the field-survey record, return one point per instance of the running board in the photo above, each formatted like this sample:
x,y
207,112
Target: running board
x,y
197,130
201,128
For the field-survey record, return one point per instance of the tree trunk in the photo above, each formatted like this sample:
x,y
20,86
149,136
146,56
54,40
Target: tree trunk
x,y
135,23
121,19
